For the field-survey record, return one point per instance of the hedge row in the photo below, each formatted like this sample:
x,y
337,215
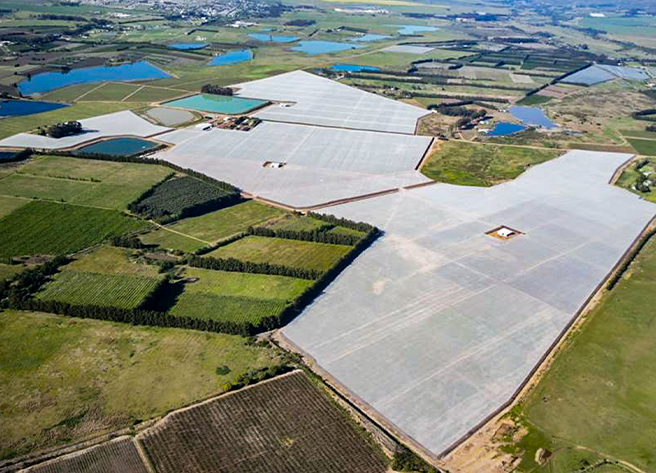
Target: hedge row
x,y
237,266
342,222
612,282
319,235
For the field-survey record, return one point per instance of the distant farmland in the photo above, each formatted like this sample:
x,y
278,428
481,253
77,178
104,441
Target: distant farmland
x,y
284,425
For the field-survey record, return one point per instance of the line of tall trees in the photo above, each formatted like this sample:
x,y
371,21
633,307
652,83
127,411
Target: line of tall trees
x,y
319,235
238,266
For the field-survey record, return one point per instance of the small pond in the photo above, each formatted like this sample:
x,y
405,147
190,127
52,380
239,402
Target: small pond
x,y
19,108
232,57
505,129
273,38
228,105
312,48
533,116
371,37
120,147
407,30
188,46
354,68
48,81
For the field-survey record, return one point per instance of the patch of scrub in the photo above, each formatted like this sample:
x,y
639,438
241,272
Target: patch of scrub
x,y
169,116
232,57
532,116
218,104
312,48
272,38
19,108
48,81
120,147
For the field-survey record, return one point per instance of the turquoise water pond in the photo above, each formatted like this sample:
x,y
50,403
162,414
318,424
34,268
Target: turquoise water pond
x,y
371,37
19,108
272,38
217,104
354,68
188,46
505,129
120,147
406,30
532,116
232,57
48,81
312,48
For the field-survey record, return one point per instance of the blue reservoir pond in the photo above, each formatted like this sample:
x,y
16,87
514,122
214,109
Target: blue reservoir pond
x,y
119,147
188,46
533,116
505,129
354,68
232,57
312,48
48,81
371,37
272,38
406,30
229,105
19,108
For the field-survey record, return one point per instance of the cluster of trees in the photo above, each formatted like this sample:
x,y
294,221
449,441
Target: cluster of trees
x,y
319,235
651,128
131,242
237,266
254,376
217,90
28,282
176,198
457,111
62,129
300,22
406,460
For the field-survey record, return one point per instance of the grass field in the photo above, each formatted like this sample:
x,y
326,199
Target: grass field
x,y
171,241
110,92
51,228
111,260
481,165
644,147
64,379
155,94
68,94
293,253
226,222
13,125
9,204
82,181
106,290
206,306
600,393
295,223
639,134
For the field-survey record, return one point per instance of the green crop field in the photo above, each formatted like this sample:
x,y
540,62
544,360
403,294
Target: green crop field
x,y
639,134
83,181
9,204
201,305
155,94
295,223
110,92
69,94
169,240
226,222
256,286
8,271
111,260
293,253
51,228
346,231
600,392
107,290
644,147
13,125
64,379
481,165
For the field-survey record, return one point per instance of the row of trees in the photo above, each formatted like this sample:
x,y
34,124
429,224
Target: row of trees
x,y
320,235
237,266
648,114
342,222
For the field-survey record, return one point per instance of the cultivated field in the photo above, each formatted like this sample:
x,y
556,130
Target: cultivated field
x,y
282,425
481,165
111,260
9,204
118,456
599,393
49,228
82,181
63,379
105,290
644,147
226,222
169,240
208,306
293,253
